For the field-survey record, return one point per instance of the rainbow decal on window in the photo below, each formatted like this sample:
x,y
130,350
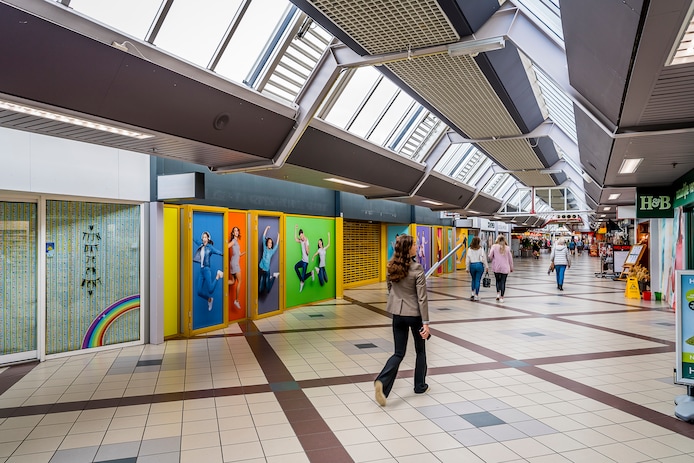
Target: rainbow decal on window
x,y
97,330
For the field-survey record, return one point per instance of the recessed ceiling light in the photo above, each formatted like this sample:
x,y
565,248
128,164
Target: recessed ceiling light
x,y
432,202
346,182
614,196
473,212
602,215
18,108
606,208
629,166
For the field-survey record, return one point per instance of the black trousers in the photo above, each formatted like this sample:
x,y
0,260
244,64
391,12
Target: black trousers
x,y
501,283
387,376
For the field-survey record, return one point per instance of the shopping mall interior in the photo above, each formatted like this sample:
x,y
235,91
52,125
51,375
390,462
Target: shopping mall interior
x,y
199,202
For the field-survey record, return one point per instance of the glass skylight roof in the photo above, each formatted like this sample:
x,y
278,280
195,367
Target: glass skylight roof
x,y
271,46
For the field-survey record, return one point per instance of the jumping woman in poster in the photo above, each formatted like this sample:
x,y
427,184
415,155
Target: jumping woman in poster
x,y
322,275
206,284
235,263
265,279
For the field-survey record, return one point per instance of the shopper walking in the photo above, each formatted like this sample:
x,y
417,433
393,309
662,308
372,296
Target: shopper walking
x,y
502,264
476,265
407,302
561,258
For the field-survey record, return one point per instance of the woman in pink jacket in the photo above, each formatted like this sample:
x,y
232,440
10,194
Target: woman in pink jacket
x,y
502,264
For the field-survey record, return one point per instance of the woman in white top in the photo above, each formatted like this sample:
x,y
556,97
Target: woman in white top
x,y
476,265
322,275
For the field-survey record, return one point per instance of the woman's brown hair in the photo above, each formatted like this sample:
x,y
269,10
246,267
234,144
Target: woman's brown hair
x,y
399,264
475,243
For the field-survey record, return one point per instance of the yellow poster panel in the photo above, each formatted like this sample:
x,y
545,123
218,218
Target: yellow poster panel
x,y
460,237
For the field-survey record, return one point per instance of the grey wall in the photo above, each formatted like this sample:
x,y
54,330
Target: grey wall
x,y
246,191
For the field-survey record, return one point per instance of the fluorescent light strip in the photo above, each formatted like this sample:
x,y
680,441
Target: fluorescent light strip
x,y
614,196
432,202
629,166
345,182
606,208
71,120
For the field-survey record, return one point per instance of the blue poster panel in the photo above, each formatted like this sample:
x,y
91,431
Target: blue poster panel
x,y
424,246
393,231
685,326
208,265
269,265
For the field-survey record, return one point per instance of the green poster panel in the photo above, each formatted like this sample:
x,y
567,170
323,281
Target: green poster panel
x,y
305,238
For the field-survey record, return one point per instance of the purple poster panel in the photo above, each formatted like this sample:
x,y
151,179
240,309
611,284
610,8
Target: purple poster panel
x,y
424,246
269,266
208,262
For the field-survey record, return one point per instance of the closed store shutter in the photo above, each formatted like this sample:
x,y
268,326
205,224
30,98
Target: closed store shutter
x,y
361,252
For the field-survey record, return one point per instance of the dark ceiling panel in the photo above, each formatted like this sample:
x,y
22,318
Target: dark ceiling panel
x,y
467,16
649,99
96,79
594,145
327,153
485,204
599,36
442,190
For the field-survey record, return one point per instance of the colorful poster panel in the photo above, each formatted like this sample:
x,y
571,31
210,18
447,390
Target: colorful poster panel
x,y
438,249
269,242
237,279
424,246
685,326
449,247
393,231
207,269
310,260
461,237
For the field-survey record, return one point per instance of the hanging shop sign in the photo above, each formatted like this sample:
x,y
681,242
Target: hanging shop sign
x,y
654,203
684,190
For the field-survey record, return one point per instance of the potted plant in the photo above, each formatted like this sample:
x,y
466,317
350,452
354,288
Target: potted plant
x,y
642,275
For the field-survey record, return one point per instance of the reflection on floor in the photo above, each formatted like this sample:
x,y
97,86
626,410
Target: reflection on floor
x,y
578,375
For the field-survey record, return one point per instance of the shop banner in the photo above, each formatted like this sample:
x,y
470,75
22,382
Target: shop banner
x,y
685,326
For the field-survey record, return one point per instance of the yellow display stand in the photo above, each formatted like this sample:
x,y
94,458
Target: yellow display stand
x,y
632,289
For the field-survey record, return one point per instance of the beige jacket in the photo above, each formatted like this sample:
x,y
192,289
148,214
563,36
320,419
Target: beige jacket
x,y
408,297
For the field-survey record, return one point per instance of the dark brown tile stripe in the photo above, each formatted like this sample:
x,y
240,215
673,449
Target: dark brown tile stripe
x,y
645,413
300,412
130,400
14,373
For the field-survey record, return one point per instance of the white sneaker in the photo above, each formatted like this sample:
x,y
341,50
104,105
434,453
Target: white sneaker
x,y
236,303
276,274
501,299
313,275
210,301
477,298
498,296
220,274
301,286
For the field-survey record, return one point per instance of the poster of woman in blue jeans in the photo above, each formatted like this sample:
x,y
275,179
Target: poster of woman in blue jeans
x,y
206,284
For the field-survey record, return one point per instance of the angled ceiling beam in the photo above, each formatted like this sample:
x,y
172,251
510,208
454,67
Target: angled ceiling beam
x,y
309,100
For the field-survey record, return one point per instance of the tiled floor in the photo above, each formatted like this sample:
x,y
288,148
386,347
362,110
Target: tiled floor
x,y
582,375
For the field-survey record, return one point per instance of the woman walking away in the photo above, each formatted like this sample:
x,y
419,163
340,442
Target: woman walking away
x,y
502,264
561,260
476,265
407,301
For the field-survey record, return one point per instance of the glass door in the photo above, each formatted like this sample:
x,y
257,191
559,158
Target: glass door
x,y
18,277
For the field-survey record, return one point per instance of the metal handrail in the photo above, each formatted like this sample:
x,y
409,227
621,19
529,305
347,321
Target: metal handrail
x,y
437,264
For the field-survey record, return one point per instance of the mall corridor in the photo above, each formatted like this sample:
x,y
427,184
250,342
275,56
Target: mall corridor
x,y
582,375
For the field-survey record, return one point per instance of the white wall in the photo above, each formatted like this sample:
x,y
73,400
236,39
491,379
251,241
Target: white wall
x,y
36,163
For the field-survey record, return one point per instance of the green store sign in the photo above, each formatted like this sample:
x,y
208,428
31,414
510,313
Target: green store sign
x,y
654,203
